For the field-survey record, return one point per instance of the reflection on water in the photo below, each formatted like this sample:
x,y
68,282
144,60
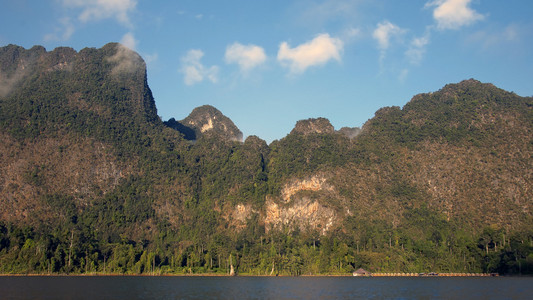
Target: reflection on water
x,y
263,288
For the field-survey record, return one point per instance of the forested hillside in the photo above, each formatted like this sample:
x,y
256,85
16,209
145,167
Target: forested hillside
x,y
93,181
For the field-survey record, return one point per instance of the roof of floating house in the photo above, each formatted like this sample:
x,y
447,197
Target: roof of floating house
x,y
361,271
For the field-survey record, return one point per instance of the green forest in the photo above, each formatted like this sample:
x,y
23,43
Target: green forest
x,y
78,248
94,182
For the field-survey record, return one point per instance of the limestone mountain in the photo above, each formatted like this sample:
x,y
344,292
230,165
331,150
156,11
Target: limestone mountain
x,y
465,148
91,180
310,126
323,125
77,77
69,126
206,120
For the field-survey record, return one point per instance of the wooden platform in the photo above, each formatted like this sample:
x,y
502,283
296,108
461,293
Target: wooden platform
x,y
435,274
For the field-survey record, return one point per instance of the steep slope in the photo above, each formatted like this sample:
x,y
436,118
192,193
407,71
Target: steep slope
x,y
69,124
468,147
464,152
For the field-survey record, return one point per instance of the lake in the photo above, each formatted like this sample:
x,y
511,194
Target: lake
x,y
133,287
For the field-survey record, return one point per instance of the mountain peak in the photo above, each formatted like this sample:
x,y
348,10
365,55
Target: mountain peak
x,y
79,73
313,125
207,120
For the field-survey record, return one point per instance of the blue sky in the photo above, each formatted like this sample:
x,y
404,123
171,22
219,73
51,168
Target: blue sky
x,y
268,64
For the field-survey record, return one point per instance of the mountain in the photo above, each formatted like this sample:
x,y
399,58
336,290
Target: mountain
x,y
206,120
70,124
92,181
322,125
310,126
467,147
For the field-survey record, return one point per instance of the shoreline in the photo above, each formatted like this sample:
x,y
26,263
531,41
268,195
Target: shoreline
x,y
425,275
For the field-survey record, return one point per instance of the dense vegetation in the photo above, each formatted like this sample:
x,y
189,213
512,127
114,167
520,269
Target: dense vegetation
x,y
94,182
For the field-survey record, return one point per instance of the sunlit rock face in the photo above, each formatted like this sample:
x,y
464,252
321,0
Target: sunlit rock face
x,y
310,126
303,213
299,206
207,120
314,183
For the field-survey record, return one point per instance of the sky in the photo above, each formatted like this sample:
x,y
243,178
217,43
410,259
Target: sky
x,y
268,64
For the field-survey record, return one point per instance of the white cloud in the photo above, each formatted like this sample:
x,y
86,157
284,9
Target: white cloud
x,y
246,56
194,70
62,32
8,82
417,49
129,41
318,51
126,59
104,9
453,14
384,32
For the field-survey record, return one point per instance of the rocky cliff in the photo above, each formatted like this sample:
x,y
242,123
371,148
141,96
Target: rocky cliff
x,y
66,118
310,126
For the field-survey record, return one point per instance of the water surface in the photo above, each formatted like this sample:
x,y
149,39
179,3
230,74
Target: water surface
x,y
132,287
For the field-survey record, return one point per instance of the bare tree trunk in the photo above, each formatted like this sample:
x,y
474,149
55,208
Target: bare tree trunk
x,y
232,271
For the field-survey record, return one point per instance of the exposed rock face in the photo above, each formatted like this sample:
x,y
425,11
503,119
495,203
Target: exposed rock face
x,y
300,208
314,183
240,215
207,120
303,213
310,126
